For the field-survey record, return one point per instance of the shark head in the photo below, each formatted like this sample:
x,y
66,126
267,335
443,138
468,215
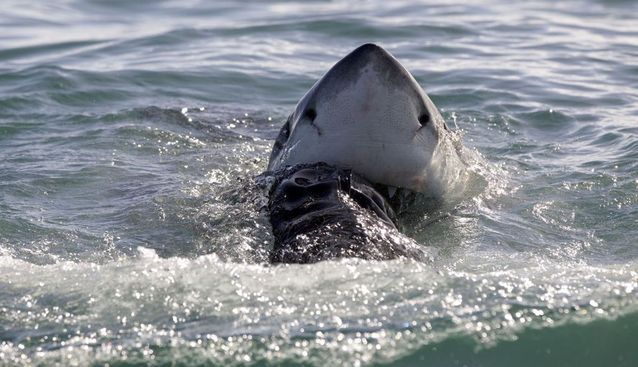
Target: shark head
x,y
367,114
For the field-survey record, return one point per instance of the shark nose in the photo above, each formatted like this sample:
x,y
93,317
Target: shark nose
x,y
370,52
371,56
378,67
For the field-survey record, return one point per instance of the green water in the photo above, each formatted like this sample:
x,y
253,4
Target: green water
x,y
129,225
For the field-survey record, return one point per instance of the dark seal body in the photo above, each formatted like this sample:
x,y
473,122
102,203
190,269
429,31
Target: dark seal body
x,y
319,212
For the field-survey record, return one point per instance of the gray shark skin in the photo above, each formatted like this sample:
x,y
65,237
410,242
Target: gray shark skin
x,y
364,131
367,114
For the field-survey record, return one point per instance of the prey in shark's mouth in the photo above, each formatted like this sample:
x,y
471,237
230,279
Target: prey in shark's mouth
x,y
320,212
365,130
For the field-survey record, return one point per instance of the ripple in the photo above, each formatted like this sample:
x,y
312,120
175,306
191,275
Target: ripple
x,y
131,230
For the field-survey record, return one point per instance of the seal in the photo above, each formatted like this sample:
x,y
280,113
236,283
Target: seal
x,y
365,131
320,212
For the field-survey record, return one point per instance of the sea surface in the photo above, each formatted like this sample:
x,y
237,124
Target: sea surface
x,y
131,231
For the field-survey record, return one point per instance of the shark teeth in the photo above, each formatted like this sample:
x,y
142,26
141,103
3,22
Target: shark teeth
x,y
391,191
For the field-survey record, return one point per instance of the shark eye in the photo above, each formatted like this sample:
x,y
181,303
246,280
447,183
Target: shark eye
x,y
311,114
424,119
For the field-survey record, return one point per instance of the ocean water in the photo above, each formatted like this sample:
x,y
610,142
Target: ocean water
x,y
130,229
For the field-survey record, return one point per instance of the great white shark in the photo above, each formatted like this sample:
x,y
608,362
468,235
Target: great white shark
x,y
365,131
